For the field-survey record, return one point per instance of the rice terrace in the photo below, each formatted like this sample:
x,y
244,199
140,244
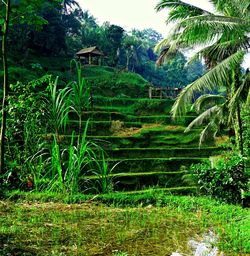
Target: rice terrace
x,y
125,128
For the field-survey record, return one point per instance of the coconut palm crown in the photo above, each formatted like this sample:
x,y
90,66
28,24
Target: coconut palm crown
x,y
224,37
223,34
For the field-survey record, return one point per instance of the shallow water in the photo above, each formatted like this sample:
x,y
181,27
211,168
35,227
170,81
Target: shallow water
x,y
205,247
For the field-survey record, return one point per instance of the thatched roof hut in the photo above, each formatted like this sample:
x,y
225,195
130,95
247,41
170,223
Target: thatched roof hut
x,y
88,53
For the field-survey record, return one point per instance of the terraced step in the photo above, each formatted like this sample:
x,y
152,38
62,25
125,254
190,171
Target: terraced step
x,y
188,190
100,100
137,105
104,115
184,141
111,101
163,152
136,180
99,127
142,165
162,119
139,140
119,109
101,115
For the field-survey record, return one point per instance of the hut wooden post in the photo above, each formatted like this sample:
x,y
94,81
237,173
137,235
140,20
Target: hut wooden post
x,y
90,60
150,92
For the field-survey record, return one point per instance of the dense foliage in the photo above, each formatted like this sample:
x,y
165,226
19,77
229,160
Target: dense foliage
x,y
224,178
55,30
41,106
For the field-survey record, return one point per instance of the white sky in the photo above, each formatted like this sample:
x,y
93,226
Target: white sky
x,y
130,14
138,14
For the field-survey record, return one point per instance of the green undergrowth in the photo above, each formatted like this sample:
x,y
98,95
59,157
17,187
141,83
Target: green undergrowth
x,y
152,223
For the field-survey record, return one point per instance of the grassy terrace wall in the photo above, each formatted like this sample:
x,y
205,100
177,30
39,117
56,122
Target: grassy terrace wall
x,y
148,147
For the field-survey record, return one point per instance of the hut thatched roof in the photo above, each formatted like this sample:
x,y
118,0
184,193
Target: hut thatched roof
x,y
93,51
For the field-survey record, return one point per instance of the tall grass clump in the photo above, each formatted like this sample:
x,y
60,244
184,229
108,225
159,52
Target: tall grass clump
x,y
58,107
61,167
80,94
39,156
104,182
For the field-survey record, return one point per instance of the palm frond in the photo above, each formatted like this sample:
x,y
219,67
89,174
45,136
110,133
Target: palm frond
x,y
207,100
206,115
245,7
207,29
166,53
212,79
232,7
222,49
177,3
248,99
210,129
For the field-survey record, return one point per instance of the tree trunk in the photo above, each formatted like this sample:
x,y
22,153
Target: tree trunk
x,y
240,130
127,62
5,86
238,121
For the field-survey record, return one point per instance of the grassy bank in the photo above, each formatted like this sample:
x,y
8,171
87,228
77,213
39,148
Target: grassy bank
x,y
148,224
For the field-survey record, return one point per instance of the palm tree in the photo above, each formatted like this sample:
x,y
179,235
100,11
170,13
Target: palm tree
x,y
133,44
224,37
69,5
6,21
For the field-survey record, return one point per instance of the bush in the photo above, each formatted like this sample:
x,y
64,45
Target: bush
x,y
223,180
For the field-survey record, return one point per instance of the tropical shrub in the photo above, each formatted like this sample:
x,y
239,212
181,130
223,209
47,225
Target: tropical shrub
x,y
38,157
224,179
62,168
80,94
25,120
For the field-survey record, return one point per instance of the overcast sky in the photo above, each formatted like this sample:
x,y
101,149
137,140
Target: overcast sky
x,y
130,14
